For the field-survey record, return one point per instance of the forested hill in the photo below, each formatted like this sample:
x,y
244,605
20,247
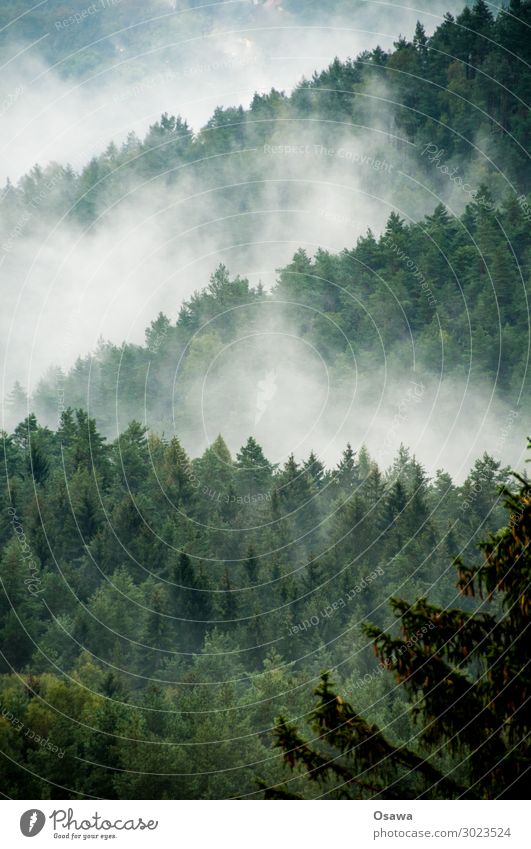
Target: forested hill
x,y
157,613
464,90
447,119
171,596
82,38
460,283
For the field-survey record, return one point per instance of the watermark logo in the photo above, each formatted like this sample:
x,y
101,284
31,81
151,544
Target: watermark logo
x,y
32,822
266,391
436,156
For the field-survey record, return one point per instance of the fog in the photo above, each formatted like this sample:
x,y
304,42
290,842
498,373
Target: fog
x,y
219,61
65,287
275,386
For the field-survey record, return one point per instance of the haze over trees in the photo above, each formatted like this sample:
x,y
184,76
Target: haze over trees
x,y
150,599
174,594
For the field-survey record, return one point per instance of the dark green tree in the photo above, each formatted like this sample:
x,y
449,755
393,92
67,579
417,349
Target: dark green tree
x,y
468,674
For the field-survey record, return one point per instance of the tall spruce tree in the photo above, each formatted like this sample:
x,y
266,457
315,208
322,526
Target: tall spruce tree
x,y
468,674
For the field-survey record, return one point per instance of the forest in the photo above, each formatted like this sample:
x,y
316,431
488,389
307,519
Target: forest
x,y
464,270
189,615
153,599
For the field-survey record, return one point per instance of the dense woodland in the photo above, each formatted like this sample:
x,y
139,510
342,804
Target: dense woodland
x,y
150,600
450,290
464,89
471,85
468,678
164,618
460,279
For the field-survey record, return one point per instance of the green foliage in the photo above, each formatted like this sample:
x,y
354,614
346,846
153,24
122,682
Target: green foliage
x,y
467,675
157,612
484,250
132,596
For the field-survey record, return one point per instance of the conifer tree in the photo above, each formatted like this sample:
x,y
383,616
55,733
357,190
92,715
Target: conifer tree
x,y
469,677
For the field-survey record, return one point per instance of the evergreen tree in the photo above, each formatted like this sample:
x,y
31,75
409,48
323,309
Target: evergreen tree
x,y
253,470
347,473
468,675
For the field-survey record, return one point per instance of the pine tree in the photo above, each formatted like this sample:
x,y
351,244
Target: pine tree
x,y
176,476
17,402
189,600
469,677
394,508
215,469
346,475
251,565
254,470
420,43
229,602
315,469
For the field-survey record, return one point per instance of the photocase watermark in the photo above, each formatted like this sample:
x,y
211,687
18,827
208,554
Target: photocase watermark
x,y
65,824
157,339
414,395
516,517
65,819
336,218
510,419
82,15
524,206
265,392
417,273
34,204
224,497
30,733
33,582
332,608
319,150
365,680
475,490
484,476
436,155
169,75
387,665
32,822
10,99
412,641
16,231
